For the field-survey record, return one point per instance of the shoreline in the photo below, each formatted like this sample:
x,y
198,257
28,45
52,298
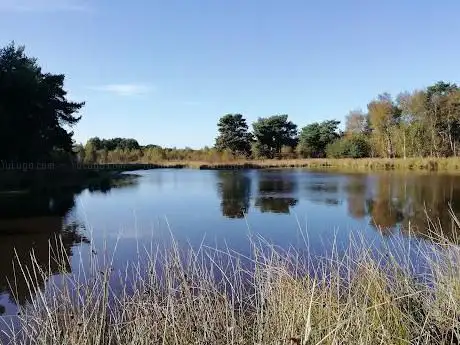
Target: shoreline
x,y
363,164
14,177
19,182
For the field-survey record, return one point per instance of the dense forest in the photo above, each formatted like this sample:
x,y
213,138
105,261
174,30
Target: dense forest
x,y
421,123
36,120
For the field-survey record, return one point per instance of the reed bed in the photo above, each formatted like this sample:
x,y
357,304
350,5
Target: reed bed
x,y
426,164
363,294
450,164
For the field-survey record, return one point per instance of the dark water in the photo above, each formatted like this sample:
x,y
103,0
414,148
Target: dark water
x,y
220,208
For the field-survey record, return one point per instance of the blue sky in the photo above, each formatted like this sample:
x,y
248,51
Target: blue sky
x,y
163,72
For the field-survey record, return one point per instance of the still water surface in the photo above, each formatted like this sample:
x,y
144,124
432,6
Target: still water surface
x,y
221,208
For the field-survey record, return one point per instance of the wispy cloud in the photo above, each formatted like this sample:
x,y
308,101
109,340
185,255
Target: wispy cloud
x,y
124,89
44,5
192,103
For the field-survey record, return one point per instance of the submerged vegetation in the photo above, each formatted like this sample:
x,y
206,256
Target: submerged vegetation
x,y
363,295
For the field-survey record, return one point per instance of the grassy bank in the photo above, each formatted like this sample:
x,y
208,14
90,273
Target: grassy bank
x,y
207,296
425,164
94,175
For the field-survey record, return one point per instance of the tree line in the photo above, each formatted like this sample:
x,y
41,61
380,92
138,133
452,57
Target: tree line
x,y
36,119
421,123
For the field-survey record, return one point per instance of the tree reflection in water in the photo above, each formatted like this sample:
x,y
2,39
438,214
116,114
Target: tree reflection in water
x,y
321,190
388,201
412,201
276,192
392,200
235,192
356,191
33,231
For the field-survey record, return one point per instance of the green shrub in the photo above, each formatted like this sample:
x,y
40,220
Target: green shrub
x,y
356,146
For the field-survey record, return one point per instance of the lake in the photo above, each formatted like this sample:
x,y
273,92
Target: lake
x,y
221,209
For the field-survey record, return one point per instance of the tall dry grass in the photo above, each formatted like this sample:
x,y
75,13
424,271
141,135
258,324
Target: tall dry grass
x,y
451,164
366,294
426,164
